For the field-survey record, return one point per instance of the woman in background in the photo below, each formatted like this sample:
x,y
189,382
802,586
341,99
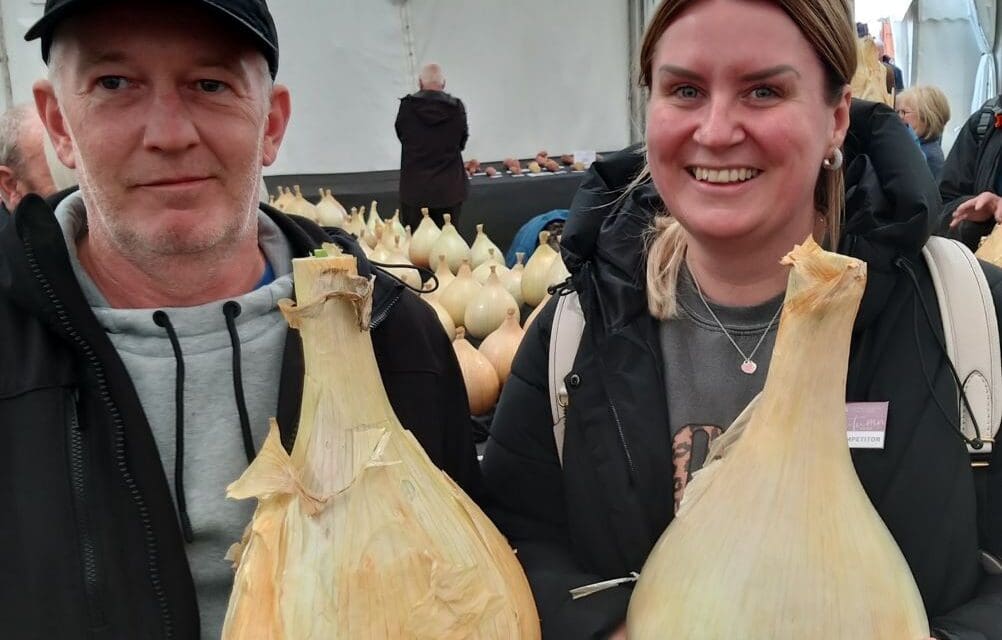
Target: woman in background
x,y
926,110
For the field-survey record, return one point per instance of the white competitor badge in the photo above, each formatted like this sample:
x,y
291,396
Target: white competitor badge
x,y
866,424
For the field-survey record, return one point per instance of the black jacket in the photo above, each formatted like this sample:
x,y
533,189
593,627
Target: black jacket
x,y
92,547
598,517
432,129
970,170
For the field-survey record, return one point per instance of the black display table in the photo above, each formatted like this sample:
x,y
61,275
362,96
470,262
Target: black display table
x,y
503,204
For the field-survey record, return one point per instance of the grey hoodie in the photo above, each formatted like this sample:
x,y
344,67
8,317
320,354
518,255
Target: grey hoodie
x,y
213,443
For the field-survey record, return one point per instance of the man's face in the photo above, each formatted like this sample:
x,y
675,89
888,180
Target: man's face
x,y
168,117
32,174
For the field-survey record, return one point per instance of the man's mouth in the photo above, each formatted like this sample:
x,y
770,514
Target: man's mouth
x,y
170,182
723,176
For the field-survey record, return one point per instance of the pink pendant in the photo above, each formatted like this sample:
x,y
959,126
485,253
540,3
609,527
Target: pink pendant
x,y
749,367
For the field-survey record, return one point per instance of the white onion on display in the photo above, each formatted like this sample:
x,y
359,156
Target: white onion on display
x,y
330,211
354,224
487,308
535,278
458,294
500,346
424,238
481,273
451,245
444,318
480,250
512,281
394,222
373,218
444,277
406,273
558,272
479,376
300,206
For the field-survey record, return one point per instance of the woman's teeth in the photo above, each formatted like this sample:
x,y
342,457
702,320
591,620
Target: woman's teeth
x,y
723,176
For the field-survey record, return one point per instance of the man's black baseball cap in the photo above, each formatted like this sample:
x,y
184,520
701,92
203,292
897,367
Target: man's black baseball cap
x,y
250,16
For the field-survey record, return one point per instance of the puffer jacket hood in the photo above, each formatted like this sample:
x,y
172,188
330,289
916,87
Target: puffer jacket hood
x,y
890,213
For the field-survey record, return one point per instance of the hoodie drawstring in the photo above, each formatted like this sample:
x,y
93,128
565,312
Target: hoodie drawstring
x,y
976,442
231,310
161,319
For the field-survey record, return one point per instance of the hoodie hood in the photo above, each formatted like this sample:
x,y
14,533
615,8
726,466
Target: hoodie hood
x,y
433,107
891,206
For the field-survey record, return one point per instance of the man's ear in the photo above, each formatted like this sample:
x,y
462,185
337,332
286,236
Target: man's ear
x,y
8,187
52,117
278,121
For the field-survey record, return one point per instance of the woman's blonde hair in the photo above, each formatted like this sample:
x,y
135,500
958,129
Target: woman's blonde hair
x,y
827,26
931,107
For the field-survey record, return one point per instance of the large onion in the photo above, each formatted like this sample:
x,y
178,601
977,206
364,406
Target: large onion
x,y
535,278
481,273
512,280
373,218
395,224
354,223
424,238
558,272
443,316
300,206
482,384
406,273
482,245
444,277
330,211
458,294
500,346
451,245
799,551
486,310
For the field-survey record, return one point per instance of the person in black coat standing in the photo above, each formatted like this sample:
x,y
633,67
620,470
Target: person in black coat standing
x,y
432,128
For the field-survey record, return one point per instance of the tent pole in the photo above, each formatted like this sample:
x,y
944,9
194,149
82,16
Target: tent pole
x,y
8,90
636,11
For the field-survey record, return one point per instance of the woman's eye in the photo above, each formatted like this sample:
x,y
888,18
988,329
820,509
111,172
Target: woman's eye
x,y
687,92
763,93
112,83
211,86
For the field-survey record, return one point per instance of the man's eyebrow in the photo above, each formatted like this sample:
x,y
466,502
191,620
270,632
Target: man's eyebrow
x,y
101,57
754,76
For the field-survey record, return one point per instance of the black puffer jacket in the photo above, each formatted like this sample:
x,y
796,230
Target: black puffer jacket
x,y
599,516
970,170
90,540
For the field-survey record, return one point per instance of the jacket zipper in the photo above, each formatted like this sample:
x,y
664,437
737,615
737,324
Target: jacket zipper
x,y
78,479
622,440
104,392
378,319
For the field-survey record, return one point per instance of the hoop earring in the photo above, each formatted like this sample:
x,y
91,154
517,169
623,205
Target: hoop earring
x,y
835,162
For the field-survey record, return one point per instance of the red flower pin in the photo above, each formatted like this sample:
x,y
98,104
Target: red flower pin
x,y
998,121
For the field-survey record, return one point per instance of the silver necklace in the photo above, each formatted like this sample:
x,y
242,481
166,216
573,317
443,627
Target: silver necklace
x,y
748,365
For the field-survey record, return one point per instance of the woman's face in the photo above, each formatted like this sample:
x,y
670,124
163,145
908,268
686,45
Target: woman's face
x,y
906,109
738,124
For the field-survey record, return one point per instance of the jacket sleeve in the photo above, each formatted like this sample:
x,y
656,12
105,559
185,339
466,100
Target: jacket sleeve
x,y
957,186
397,125
979,619
525,488
466,127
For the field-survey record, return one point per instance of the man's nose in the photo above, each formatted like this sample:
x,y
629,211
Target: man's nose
x,y
721,126
169,124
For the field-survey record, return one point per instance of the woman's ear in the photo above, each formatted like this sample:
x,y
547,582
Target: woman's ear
x,y
841,117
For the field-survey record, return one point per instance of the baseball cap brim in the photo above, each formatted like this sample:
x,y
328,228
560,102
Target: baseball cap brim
x,y
260,31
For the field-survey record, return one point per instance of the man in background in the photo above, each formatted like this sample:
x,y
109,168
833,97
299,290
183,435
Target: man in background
x,y
432,128
23,167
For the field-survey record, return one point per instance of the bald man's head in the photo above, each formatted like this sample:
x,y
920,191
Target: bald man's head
x,y
23,166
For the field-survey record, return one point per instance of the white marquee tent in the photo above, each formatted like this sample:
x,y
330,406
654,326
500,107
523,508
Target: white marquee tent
x,y
534,74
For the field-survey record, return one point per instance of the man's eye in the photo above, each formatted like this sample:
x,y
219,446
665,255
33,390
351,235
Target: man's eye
x,y
112,83
211,86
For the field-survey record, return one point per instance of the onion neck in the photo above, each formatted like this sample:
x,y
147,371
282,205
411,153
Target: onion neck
x,y
345,410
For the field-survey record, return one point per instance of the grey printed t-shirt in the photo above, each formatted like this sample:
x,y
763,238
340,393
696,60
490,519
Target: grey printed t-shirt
x,y
705,386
